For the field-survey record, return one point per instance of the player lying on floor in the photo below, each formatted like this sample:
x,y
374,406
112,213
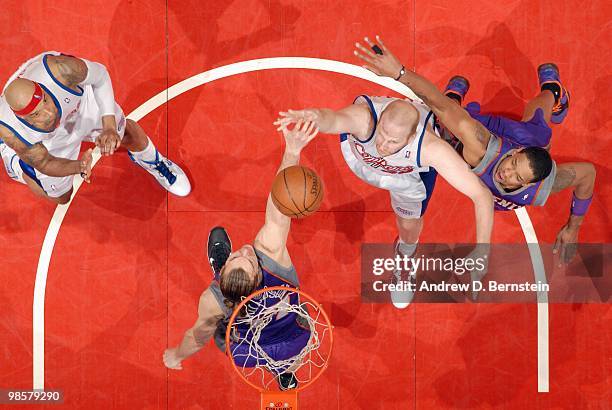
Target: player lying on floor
x,y
510,157
263,264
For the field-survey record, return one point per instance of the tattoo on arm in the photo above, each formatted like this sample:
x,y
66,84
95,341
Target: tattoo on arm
x,y
565,177
482,134
72,70
36,155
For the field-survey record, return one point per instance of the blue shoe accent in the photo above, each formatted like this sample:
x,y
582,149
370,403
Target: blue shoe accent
x,y
456,89
168,174
458,86
160,166
549,73
154,161
163,170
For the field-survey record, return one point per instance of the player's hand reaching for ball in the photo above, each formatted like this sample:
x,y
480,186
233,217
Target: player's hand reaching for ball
x,y
299,136
378,58
171,360
293,116
108,141
85,162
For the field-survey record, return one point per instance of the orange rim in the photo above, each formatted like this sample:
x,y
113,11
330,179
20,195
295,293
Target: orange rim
x,y
257,293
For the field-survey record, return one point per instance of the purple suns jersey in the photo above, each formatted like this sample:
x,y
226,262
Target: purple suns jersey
x,y
272,275
534,194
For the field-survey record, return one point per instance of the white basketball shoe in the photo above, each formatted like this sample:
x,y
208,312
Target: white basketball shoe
x,y
402,296
167,173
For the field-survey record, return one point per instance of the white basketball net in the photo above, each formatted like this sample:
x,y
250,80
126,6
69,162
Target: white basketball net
x,y
258,316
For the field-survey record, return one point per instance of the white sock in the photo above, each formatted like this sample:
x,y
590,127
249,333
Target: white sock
x,y
147,154
406,249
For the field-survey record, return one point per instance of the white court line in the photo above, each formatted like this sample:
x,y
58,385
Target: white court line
x,y
163,97
542,298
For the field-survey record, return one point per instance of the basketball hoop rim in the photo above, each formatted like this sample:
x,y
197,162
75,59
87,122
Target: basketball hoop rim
x,y
239,308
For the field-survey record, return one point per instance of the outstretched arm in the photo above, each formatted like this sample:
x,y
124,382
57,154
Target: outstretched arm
x,y
438,154
472,133
195,338
580,176
272,237
353,119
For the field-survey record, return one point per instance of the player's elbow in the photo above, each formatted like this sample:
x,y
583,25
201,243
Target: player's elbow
x,y
589,176
41,163
591,172
270,249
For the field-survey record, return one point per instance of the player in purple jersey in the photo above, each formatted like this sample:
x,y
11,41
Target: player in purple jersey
x,y
265,263
509,156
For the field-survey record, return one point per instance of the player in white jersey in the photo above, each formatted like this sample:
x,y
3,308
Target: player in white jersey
x,y
50,106
390,143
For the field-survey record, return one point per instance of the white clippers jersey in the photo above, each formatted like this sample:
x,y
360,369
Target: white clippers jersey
x,y
65,140
395,172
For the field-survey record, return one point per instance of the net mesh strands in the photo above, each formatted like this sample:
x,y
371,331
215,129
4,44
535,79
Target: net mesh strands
x,y
258,313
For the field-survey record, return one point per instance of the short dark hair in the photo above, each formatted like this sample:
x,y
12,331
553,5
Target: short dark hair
x,y
540,162
235,284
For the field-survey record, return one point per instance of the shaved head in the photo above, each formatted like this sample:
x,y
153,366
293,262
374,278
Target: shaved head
x,y
19,93
401,114
398,122
30,102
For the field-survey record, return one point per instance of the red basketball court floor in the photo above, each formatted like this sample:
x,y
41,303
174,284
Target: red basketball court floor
x,y
128,264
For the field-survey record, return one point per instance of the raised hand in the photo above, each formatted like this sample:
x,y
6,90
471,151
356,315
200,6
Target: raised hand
x,y
385,64
297,138
293,116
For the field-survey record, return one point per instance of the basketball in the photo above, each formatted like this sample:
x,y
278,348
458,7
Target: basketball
x,y
297,191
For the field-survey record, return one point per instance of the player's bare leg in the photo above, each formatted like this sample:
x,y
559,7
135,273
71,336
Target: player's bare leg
x,y
135,139
409,232
409,229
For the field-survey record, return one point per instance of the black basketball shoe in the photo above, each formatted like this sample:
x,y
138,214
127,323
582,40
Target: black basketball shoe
x,y
219,247
287,381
